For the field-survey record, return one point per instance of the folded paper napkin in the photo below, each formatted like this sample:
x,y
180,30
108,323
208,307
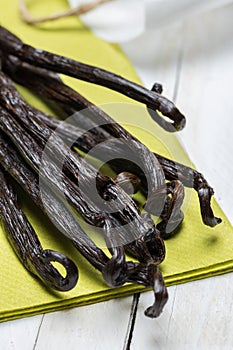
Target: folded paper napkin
x,y
196,252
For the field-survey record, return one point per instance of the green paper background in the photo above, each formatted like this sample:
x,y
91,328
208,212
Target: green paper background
x,y
196,252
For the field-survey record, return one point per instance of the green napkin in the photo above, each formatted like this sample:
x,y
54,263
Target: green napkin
x,y
196,252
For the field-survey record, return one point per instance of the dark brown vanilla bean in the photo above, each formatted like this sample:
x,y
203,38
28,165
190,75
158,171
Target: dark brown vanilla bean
x,y
172,215
173,171
13,45
192,178
53,88
43,82
27,245
160,292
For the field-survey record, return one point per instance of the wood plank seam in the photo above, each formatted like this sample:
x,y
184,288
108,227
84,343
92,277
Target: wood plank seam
x,y
38,332
180,57
131,323
170,317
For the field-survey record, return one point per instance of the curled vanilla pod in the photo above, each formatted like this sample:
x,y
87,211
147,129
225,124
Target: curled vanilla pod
x,y
27,246
174,171
193,179
172,216
13,45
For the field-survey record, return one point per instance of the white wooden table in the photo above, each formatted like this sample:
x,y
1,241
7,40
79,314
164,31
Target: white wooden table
x,y
194,62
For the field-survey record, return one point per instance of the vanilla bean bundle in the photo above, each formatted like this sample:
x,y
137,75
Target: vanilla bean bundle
x,y
147,246
48,84
39,152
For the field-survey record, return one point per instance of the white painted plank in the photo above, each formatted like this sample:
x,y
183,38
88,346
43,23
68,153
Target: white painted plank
x,y
205,95
205,87
198,316
200,313
97,327
151,333
19,334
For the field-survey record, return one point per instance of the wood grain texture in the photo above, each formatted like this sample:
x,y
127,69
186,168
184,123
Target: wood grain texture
x,y
198,316
97,327
20,334
205,94
156,59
